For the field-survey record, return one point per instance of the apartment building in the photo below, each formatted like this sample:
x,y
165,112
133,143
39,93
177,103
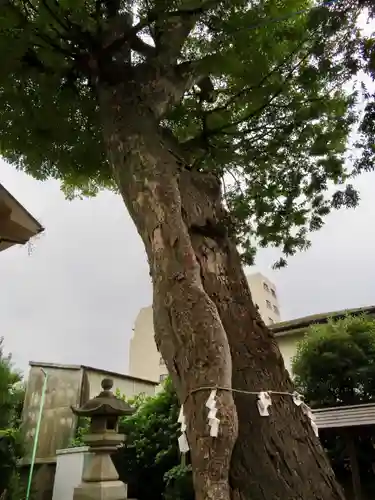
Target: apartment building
x,y
144,359
264,295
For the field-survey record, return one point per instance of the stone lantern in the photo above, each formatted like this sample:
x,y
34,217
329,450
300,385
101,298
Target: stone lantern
x,y
100,479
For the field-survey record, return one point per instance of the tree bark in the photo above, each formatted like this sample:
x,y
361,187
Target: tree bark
x,y
188,329
277,457
206,325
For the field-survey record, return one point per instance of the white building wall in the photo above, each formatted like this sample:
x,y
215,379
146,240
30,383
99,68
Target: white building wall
x,y
144,359
264,295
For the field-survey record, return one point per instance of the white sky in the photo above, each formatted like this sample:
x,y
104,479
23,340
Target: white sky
x,y
75,298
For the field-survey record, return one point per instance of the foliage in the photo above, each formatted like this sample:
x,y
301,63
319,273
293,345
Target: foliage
x,y
179,483
334,365
10,451
335,362
269,116
11,391
11,402
150,456
82,429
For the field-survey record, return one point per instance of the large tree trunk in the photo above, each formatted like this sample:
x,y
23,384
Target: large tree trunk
x,y
277,457
188,328
204,319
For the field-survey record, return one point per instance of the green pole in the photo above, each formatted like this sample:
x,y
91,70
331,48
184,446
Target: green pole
x,y
36,437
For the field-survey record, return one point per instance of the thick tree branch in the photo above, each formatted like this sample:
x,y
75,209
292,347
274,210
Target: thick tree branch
x,y
261,82
143,48
128,37
24,23
261,108
166,87
56,16
201,8
170,30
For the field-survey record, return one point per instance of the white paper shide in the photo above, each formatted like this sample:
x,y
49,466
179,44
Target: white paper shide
x,y
213,421
297,398
264,402
308,412
182,440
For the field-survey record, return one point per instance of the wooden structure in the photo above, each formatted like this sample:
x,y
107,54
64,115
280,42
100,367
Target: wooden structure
x,y
346,420
17,225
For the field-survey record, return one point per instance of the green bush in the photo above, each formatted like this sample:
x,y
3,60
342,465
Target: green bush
x,y
10,452
151,448
82,428
11,442
179,483
335,365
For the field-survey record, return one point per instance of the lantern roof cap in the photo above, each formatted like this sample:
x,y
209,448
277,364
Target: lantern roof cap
x,y
105,403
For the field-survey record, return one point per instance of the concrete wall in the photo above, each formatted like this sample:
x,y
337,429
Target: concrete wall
x,y
58,422
127,386
67,386
69,468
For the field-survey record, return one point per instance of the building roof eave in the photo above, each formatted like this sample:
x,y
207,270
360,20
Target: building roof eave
x,y
345,416
298,325
17,225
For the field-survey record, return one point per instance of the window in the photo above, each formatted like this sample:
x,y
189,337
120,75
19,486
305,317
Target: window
x,y
271,321
266,288
163,377
268,304
161,362
273,293
276,309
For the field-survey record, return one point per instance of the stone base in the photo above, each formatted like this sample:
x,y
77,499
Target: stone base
x,y
103,490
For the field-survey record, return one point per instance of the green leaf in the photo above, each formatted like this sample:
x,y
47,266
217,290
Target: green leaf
x,y
279,124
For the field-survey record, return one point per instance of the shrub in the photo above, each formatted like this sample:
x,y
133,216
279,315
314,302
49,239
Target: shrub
x,y
11,402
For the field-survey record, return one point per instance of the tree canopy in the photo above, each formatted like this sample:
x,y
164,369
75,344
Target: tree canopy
x,y
335,362
269,114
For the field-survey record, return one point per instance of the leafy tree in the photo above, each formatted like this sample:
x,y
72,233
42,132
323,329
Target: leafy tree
x,y
221,123
335,362
367,127
335,365
150,462
11,391
11,402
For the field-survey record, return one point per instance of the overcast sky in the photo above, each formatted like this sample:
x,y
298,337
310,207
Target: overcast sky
x,y
75,298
